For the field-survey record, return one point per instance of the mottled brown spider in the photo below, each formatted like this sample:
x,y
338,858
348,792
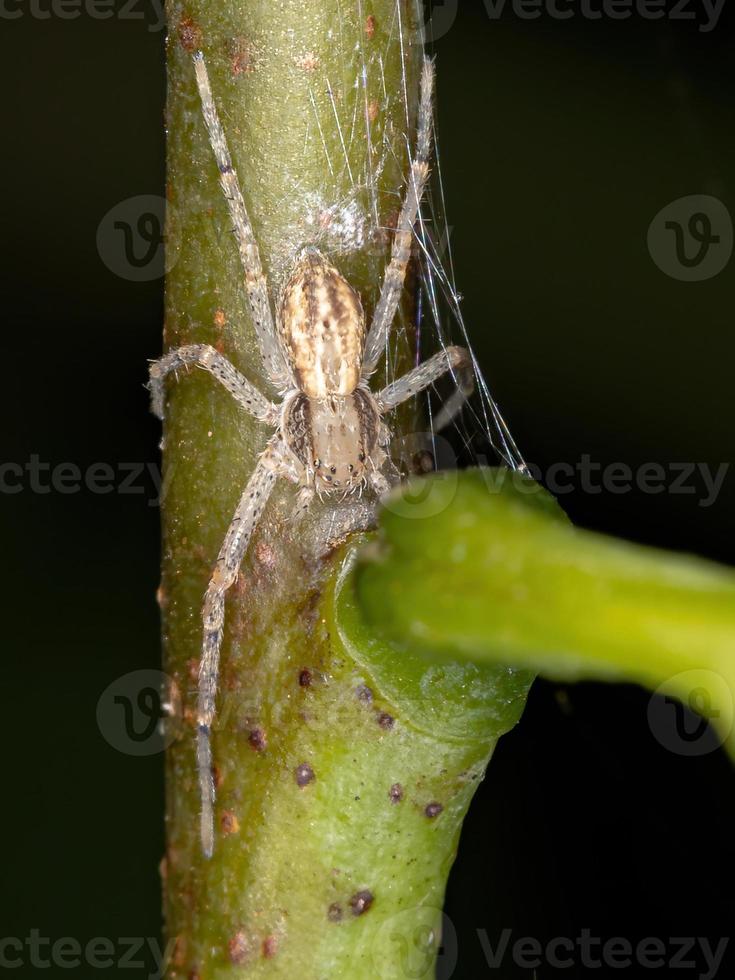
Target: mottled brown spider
x,y
330,436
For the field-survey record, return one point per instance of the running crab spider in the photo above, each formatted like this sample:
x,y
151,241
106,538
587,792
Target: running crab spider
x,y
329,437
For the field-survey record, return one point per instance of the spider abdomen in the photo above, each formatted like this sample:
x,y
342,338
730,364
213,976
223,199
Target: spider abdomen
x,y
323,328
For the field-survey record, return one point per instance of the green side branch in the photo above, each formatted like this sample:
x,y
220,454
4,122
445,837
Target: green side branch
x,y
483,567
342,773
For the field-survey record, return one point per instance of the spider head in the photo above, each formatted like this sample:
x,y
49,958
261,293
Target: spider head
x,y
334,438
338,478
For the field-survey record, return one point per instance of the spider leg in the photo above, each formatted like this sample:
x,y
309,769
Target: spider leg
x,y
255,282
395,274
303,501
380,482
390,471
456,360
465,387
382,473
207,358
233,549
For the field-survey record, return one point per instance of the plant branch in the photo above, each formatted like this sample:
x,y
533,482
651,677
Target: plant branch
x,y
496,574
342,773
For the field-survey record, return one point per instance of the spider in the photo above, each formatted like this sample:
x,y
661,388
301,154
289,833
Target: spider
x,y
330,438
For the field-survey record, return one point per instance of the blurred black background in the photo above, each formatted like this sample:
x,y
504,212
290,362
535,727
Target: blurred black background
x,y
561,141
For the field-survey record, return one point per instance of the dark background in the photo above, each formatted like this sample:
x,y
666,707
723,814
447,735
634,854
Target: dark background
x,y
561,140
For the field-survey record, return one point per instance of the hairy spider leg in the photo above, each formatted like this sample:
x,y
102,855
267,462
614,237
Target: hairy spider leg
x,y
244,522
395,274
274,361
208,359
456,360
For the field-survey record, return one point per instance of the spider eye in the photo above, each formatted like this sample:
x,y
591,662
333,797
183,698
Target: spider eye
x,y
361,457
332,469
350,467
317,463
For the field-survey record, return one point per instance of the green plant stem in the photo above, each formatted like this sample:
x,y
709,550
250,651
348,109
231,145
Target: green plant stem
x,y
494,573
342,774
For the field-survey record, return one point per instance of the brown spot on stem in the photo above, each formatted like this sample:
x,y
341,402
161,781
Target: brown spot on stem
x,y
370,27
433,810
270,946
229,822
238,948
190,35
385,720
258,739
216,775
334,912
219,319
305,678
161,597
373,110
192,667
163,868
395,793
304,774
242,57
309,61
179,955
361,902
265,555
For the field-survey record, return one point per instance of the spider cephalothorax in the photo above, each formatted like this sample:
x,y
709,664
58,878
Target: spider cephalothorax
x,y
330,437
334,438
